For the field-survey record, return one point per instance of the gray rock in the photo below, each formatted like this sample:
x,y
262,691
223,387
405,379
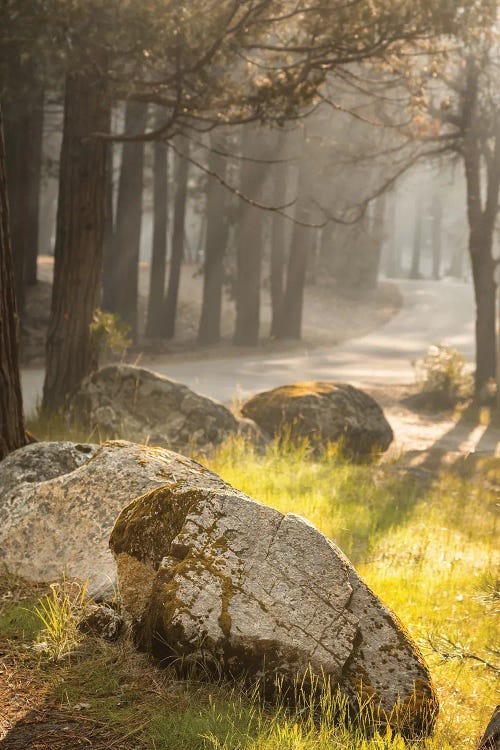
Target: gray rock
x,y
102,621
209,576
38,462
144,406
491,737
322,413
62,522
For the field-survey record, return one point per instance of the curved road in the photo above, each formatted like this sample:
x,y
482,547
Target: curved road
x,y
432,313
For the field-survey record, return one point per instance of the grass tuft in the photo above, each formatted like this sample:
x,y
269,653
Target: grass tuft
x,y
59,613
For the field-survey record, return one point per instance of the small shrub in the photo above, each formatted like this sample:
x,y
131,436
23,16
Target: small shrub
x,y
109,334
443,378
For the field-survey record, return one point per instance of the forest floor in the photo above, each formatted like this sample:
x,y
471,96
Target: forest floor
x,y
330,317
424,538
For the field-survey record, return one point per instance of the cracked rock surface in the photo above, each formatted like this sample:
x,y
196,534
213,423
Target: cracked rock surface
x,y
209,576
148,407
323,413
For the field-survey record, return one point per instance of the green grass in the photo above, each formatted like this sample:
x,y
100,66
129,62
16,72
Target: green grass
x,y
427,545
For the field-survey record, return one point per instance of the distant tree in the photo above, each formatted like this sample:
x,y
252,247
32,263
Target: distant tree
x,y
278,249
178,241
250,243
128,222
12,434
467,123
416,254
159,248
23,125
437,239
216,238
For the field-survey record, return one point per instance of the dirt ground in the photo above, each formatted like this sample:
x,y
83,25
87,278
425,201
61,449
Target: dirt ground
x,y
425,437
330,318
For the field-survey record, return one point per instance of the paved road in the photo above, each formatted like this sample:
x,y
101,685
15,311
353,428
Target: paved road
x,y
432,312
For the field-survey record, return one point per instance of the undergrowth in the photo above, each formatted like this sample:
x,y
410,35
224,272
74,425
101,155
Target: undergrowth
x,y
425,543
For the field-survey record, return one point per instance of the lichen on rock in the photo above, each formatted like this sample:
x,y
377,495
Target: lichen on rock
x,y
322,413
240,588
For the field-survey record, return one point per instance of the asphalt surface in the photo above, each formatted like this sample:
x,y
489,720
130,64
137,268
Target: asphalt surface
x,y
432,313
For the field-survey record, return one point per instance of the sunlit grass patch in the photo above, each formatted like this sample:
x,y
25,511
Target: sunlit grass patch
x,y
426,545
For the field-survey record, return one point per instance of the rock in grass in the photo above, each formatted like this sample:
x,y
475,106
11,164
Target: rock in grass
x,y
59,502
322,413
210,577
144,406
491,737
102,621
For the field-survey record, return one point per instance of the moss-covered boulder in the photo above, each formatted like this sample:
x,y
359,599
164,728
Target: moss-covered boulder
x,y
59,501
322,413
144,406
211,578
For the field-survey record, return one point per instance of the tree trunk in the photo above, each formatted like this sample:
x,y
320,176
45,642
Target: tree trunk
x,y
33,190
217,231
393,262
109,280
16,133
302,245
249,253
177,255
278,254
456,267
79,238
293,303
371,266
127,237
482,221
417,243
485,296
160,245
437,231
12,433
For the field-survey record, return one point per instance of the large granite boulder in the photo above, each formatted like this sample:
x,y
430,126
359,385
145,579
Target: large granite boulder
x,y
59,502
144,406
210,577
322,413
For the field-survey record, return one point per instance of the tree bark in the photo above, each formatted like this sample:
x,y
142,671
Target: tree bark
x,y
23,123
109,280
127,236
485,296
417,242
302,244
278,253
371,266
178,235
79,238
217,232
482,220
12,433
393,263
249,253
160,244
33,190
293,302
437,231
